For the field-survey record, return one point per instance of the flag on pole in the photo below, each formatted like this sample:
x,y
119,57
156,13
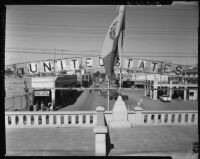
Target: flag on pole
x,y
110,53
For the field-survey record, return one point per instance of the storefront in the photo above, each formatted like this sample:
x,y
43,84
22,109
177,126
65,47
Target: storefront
x,y
185,91
41,96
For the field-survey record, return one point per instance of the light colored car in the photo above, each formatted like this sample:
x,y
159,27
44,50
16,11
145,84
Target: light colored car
x,y
165,98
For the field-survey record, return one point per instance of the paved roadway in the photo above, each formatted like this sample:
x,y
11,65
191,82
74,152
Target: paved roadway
x,y
151,140
89,101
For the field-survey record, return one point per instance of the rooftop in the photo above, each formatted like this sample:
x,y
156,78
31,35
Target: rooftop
x,y
80,141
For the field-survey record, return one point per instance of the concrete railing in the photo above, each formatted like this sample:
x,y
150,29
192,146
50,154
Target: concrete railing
x,y
89,118
50,119
188,117
159,118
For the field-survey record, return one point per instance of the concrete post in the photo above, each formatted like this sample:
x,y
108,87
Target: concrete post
x,y
170,90
155,91
138,114
53,96
185,91
151,92
145,87
100,131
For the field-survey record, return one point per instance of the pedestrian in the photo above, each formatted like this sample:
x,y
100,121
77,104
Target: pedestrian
x,y
51,108
42,106
35,107
48,106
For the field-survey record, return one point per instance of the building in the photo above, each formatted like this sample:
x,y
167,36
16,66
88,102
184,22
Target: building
x,y
46,89
182,90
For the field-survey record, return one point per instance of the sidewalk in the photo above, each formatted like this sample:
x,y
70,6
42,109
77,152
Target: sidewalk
x,y
153,140
80,141
50,142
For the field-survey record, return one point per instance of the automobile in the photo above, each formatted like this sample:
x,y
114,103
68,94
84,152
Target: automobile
x,y
113,95
165,98
124,97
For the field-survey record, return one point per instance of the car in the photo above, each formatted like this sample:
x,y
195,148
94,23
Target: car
x,y
165,98
124,97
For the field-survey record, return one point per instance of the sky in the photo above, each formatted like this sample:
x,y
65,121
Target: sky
x,y
166,33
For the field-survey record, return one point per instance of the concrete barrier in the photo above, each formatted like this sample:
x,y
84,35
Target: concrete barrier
x,y
100,131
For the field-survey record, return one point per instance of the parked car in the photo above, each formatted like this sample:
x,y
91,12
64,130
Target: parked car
x,y
165,98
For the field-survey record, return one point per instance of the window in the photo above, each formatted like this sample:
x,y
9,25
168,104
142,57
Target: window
x,y
191,93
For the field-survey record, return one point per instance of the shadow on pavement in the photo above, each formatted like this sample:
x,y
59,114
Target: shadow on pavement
x,y
69,97
109,145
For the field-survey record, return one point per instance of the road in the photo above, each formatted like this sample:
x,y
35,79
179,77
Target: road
x,y
89,101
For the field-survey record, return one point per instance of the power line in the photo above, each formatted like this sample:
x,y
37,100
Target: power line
x,y
149,54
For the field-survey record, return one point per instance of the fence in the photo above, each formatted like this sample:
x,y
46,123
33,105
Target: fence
x,y
88,118
16,102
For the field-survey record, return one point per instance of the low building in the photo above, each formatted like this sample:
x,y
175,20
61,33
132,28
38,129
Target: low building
x,y
46,89
181,90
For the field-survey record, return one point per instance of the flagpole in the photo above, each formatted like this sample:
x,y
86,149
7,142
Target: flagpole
x,y
122,36
108,95
121,71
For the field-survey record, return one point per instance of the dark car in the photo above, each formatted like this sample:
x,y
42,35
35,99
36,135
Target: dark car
x,y
113,94
124,97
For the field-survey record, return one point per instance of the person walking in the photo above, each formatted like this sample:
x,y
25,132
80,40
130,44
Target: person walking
x,y
51,108
48,106
42,106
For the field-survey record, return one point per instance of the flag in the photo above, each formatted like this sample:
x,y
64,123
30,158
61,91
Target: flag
x,y
110,53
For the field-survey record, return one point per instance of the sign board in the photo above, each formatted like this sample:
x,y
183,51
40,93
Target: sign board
x,y
41,93
96,62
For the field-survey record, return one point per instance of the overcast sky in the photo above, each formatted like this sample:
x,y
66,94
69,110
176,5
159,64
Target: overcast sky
x,y
166,33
